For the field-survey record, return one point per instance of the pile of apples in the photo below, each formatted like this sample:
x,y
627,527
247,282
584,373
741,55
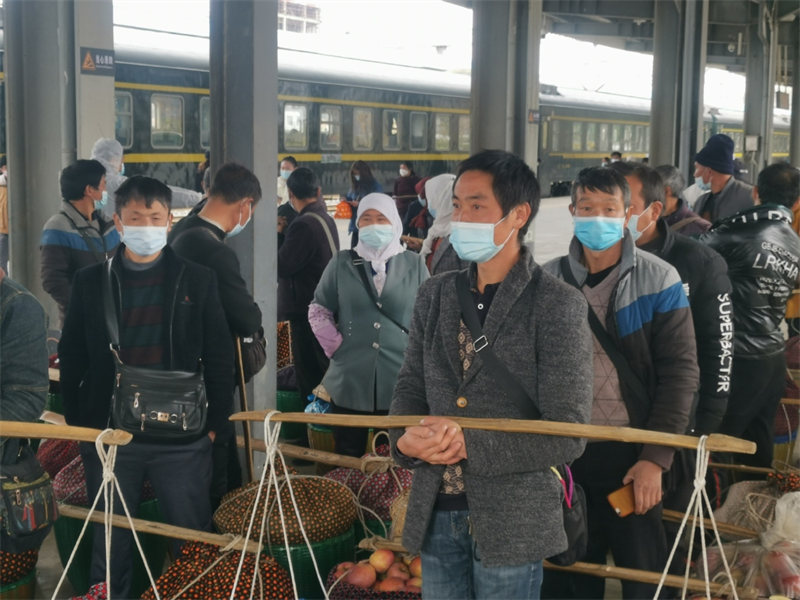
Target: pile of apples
x,y
383,571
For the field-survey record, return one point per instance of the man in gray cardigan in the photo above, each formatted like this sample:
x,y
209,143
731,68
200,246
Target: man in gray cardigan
x,y
485,508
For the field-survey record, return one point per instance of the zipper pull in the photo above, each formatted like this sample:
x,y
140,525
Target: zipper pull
x,y
143,418
185,425
119,376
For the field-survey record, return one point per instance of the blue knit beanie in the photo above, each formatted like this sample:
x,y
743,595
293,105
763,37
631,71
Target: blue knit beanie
x,y
717,154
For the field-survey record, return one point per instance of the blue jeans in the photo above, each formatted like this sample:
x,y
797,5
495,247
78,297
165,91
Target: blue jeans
x,y
452,566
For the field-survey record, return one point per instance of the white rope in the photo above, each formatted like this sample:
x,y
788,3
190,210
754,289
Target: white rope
x,y
271,438
697,501
108,460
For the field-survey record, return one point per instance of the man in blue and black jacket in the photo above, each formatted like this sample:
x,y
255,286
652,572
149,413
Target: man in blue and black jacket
x,y
640,303
170,318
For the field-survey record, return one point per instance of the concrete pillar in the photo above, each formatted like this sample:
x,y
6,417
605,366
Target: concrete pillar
x,y
759,89
794,134
244,96
532,115
94,89
491,37
666,73
40,129
505,77
695,36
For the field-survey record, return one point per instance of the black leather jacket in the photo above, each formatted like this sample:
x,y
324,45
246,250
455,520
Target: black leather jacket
x,y
763,255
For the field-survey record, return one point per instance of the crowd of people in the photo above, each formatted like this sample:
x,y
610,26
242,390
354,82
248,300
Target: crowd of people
x,y
662,316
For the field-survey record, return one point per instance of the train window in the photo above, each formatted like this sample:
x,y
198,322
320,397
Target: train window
x,y
330,127
166,121
464,135
577,136
295,126
362,129
418,138
556,143
647,138
591,137
123,118
205,122
627,143
392,130
603,142
738,141
639,145
441,134
616,137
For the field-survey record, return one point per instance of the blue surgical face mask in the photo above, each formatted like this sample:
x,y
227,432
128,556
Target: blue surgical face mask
x,y
144,240
633,225
98,204
376,236
238,228
702,184
422,201
474,242
598,233
122,169
285,174
432,212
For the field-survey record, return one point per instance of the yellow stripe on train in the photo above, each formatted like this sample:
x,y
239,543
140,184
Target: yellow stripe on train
x,y
175,157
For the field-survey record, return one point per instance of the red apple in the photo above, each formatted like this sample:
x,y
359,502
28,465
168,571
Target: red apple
x,y
381,560
398,570
390,584
361,575
417,581
415,568
341,568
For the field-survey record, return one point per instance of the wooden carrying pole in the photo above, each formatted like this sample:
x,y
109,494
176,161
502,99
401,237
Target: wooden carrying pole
x,y
716,442
727,529
676,581
62,432
171,531
243,402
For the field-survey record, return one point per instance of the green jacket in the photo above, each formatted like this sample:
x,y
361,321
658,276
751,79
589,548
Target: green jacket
x,y
364,369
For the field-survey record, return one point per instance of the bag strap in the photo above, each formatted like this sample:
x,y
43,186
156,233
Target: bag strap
x,y
499,371
327,232
684,222
358,264
624,371
109,310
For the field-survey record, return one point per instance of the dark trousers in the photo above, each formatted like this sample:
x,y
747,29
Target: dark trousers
x,y
310,362
180,475
756,389
352,441
635,541
226,470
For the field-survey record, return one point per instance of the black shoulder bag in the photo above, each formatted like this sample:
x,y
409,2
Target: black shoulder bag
x,y
28,505
153,402
574,504
357,263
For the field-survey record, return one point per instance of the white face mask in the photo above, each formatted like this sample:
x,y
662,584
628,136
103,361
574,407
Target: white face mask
x,y
403,172
144,240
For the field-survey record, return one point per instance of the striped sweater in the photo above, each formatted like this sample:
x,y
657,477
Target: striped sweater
x,y
70,242
650,320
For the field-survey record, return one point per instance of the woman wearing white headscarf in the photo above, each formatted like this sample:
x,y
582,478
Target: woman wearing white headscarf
x,y
360,315
436,249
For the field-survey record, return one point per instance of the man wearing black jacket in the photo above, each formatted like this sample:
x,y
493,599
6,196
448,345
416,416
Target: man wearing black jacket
x,y
763,255
705,280
200,237
302,257
170,318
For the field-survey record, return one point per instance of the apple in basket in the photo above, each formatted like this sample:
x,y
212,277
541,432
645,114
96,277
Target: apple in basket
x,y
381,560
398,570
361,575
390,584
414,585
342,568
415,566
